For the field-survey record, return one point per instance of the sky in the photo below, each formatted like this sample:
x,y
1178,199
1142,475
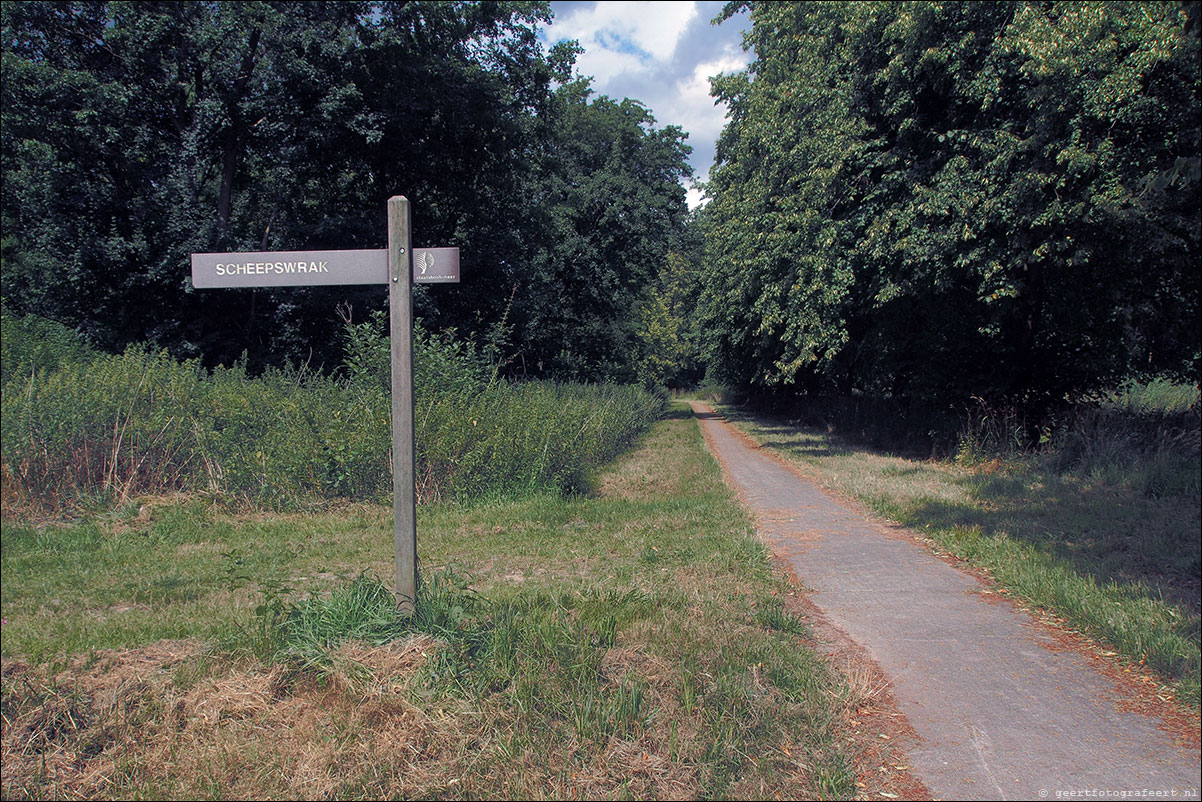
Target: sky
x,y
660,53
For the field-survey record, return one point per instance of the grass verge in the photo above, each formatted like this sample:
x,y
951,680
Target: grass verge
x,y
630,644
1115,563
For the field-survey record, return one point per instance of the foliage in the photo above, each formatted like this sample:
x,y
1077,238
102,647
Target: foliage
x,y
668,335
614,207
441,361
1144,437
114,426
476,434
32,344
138,133
1159,397
934,201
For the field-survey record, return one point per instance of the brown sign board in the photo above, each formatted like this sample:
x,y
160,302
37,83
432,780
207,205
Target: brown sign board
x,y
436,265
314,268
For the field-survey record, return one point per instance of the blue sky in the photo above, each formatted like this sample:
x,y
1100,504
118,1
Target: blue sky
x,y
661,53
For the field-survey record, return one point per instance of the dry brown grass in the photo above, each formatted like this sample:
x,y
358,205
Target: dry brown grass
x,y
167,720
130,719
645,472
171,720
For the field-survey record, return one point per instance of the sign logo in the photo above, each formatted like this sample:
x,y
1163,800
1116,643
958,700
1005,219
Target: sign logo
x,y
422,261
436,265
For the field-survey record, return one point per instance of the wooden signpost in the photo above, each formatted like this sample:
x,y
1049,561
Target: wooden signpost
x,y
399,266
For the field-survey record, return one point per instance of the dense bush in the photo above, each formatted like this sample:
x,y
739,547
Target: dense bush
x,y
35,344
79,426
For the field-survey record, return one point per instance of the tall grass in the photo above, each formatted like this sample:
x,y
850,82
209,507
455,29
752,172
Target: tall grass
x,y
1144,436
81,428
1160,397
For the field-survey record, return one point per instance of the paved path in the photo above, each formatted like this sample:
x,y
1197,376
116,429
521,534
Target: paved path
x,y
1000,711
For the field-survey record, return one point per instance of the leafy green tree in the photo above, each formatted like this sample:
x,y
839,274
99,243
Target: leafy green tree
x,y
613,206
938,200
668,348
136,133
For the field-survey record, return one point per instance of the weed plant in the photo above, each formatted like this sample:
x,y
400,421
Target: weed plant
x,y
88,429
630,643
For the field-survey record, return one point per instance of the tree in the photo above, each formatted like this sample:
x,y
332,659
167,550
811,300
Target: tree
x,y
932,201
669,353
613,207
137,133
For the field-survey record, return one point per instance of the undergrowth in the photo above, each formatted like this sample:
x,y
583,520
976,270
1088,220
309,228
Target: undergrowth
x,y
84,429
1144,436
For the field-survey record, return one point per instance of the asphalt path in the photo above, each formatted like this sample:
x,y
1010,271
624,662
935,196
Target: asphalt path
x,y
1001,708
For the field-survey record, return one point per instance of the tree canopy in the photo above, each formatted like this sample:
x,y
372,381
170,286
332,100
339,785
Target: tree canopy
x,y
136,133
933,201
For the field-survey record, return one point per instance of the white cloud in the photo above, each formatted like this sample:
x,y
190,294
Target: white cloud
x,y
691,106
622,37
598,62
662,53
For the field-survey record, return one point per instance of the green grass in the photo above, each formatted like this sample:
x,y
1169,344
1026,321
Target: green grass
x,y
1112,559
1160,397
84,430
633,642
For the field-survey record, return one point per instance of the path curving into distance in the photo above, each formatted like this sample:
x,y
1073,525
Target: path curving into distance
x,y
1001,709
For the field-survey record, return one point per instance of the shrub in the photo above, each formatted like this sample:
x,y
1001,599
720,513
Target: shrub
x,y
108,427
33,344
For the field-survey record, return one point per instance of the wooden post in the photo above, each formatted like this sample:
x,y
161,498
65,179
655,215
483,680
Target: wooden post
x,y
395,267
400,315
